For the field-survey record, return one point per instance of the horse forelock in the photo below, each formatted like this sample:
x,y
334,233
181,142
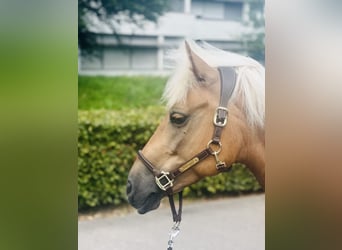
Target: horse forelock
x,y
250,85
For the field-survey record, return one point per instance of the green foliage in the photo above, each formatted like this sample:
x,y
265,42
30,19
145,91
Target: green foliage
x,y
118,92
238,180
107,145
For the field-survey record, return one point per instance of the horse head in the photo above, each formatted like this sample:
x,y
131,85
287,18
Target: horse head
x,y
192,96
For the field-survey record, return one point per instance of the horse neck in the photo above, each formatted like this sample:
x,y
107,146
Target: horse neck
x,y
254,157
245,144
251,149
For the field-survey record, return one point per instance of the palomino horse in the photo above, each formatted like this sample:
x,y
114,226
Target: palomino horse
x,y
183,149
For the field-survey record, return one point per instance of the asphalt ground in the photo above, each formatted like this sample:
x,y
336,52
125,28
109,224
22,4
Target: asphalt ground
x,y
234,223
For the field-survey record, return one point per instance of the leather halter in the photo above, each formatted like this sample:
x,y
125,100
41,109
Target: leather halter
x,y
165,180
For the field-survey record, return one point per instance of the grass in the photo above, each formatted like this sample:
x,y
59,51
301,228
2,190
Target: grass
x,y
118,93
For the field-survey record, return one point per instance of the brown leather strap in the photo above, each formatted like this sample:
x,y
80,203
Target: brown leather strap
x,y
189,164
184,167
228,82
148,164
177,216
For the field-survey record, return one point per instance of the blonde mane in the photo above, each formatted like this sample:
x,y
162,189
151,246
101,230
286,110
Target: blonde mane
x,y
250,85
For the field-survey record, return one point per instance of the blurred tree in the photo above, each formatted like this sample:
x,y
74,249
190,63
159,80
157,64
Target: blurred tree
x,y
112,11
255,41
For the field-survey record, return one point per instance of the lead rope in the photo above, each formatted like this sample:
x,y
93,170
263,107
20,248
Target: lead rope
x,y
177,217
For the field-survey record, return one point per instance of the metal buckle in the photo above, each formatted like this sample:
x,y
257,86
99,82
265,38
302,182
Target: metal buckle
x,y
218,120
163,181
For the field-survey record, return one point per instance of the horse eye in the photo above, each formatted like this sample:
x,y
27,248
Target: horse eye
x,y
178,119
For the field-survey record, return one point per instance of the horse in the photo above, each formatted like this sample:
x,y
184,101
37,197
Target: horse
x,y
183,149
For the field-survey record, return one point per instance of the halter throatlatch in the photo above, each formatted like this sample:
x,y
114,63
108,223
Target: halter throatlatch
x,y
165,180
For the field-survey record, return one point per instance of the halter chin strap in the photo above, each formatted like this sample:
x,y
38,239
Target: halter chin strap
x,y
165,180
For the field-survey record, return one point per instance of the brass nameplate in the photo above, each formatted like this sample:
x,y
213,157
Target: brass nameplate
x,y
189,164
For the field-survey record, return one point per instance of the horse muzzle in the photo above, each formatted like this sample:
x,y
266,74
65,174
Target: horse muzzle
x,y
143,193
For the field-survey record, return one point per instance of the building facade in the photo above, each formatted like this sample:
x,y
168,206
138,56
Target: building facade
x,y
142,50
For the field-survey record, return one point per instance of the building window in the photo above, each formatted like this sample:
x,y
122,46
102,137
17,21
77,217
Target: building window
x,y
233,11
115,58
144,58
208,10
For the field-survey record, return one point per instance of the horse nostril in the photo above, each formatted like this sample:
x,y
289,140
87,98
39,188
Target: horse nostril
x,y
129,187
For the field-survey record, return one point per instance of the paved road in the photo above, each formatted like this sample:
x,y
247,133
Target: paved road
x,y
231,223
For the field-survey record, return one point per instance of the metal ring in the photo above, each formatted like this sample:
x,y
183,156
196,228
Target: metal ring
x,y
218,144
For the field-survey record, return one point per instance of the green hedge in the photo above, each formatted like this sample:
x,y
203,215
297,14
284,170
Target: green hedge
x,y
107,145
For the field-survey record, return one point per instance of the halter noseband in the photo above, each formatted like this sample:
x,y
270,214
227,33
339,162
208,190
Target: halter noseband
x,y
165,180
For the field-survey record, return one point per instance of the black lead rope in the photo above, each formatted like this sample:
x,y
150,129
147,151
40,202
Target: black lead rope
x,y
177,216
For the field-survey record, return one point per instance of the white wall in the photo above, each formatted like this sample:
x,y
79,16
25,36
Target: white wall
x,y
218,22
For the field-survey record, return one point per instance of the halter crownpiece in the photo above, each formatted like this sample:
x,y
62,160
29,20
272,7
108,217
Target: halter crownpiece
x,y
165,180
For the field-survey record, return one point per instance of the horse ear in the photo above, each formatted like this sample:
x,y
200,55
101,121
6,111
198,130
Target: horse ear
x,y
202,71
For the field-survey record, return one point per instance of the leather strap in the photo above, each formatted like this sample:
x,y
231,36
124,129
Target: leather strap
x,y
176,216
148,164
228,82
184,167
189,164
